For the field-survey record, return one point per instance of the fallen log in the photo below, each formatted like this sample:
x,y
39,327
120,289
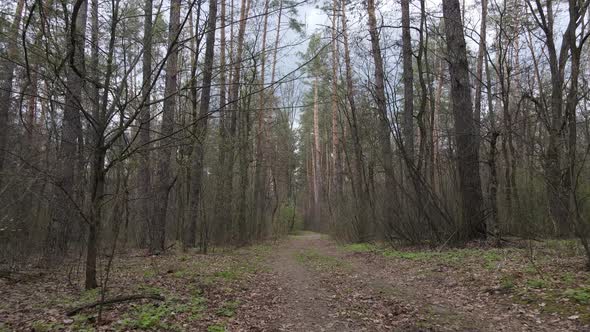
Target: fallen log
x,y
114,300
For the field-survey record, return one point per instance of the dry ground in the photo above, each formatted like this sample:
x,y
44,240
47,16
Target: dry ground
x,y
309,283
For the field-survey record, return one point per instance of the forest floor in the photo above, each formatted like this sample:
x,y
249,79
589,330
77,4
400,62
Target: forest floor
x,y
308,282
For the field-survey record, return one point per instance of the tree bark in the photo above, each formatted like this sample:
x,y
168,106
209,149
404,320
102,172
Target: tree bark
x,y
408,78
201,129
60,233
144,172
165,152
336,187
465,127
7,67
261,170
381,101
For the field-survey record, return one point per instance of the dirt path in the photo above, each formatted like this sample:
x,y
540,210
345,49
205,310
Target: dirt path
x,y
309,304
309,283
317,286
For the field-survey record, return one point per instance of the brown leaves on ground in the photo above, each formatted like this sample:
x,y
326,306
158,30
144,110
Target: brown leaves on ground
x,y
308,283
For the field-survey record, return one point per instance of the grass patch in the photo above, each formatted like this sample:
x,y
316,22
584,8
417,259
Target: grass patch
x,y
537,283
228,309
226,274
319,260
580,295
216,328
507,283
42,326
360,247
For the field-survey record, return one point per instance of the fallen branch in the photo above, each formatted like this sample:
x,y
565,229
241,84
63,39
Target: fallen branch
x,y
118,299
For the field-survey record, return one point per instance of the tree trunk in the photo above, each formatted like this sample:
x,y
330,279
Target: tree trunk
x,y
408,78
60,234
465,127
165,152
227,156
7,67
261,170
201,128
380,99
336,187
317,181
359,181
144,172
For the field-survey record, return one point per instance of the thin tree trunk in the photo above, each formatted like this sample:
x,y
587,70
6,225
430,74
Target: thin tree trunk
x,y
317,181
144,172
261,170
408,78
336,162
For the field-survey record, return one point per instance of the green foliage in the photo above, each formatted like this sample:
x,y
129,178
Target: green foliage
x,y
149,273
580,295
82,323
288,221
89,295
154,316
507,282
151,289
489,257
537,283
228,309
215,328
568,278
320,261
361,247
150,316
42,326
229,274
181,273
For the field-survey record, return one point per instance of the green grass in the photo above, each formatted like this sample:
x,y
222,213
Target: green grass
x,y
216,328
228,309
227,274
580,295
537,283
507,282
361,247
489,258
319,260
42,326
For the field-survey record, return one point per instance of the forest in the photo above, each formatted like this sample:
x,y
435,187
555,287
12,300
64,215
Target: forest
x,y
294,165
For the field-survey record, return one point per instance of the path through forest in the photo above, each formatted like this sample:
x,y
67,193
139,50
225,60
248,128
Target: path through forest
x,y
308,282
320,287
